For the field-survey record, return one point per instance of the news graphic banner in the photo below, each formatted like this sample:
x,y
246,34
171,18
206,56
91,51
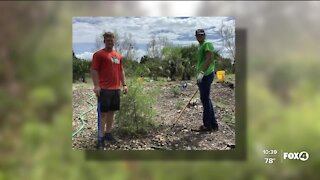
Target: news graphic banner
x,y
272,156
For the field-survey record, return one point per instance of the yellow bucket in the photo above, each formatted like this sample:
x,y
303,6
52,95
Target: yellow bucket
x,y
220,76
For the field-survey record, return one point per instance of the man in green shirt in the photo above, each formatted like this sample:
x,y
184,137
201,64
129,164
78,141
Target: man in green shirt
x,y
205,76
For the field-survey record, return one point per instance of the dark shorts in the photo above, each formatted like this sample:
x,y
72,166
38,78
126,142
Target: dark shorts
x,y
109,100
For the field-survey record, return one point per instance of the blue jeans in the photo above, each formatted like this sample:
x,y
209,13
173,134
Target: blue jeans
x,y
209,119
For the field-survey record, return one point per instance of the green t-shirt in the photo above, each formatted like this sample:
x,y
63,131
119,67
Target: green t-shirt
x,y
201,57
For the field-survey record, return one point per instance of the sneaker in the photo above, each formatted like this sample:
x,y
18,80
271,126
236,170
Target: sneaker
x,y
110,138
100,145
216,128
206,129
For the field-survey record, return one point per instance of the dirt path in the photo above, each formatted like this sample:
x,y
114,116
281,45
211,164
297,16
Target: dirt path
x,y
168,107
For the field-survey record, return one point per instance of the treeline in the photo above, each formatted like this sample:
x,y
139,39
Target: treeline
x,y
176,63
80,68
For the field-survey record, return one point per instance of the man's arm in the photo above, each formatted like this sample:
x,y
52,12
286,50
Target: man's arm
x,y
123,80
123,76
95,79
207,61
205,67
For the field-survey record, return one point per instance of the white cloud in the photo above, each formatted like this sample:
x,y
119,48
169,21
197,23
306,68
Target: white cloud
x,y
87,29
85,55
140,27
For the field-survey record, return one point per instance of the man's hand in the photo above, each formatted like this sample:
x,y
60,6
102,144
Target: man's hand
x,y
125,89
97,90
200,77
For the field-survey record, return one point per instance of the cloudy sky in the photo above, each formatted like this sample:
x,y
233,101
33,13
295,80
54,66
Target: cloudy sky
x,y
178,30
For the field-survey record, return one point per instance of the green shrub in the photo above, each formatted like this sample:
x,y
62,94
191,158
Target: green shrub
x,y
179,104
136,113
153,68
176,91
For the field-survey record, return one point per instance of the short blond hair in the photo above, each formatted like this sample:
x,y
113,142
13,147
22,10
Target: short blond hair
x,y
108,34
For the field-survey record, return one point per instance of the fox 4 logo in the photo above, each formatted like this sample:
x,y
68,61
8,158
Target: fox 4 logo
x,y
302,156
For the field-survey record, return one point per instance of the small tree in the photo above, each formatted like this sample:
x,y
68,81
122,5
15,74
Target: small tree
x,y
136,112
227,34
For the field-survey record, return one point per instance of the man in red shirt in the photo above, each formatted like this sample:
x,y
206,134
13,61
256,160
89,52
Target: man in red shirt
x,y
107,72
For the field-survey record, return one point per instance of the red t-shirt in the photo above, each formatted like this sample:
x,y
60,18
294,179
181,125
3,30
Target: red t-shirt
x,y
109,68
